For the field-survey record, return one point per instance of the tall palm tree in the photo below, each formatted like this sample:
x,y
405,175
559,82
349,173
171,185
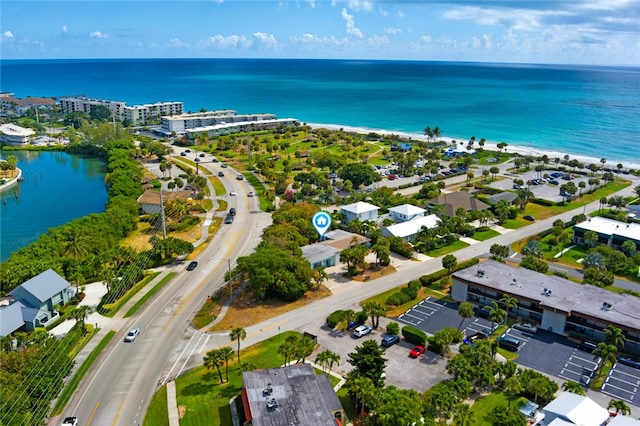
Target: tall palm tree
x,y
608,354
363,389
226,353
463,415
465,311
619,406
614,336
322,359
509,302
496,314
238,333
573,387
213,359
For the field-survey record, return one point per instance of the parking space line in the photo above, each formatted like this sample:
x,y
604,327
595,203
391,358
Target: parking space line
x,y
425,310
635,385
431,303
401,317
617,392
626,374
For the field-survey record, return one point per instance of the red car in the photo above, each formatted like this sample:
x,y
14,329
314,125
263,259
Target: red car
x,y
416,352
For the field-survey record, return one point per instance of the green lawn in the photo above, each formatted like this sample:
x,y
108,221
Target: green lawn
x,y
485,235
484,405
441,251
149,294
205,399
157,413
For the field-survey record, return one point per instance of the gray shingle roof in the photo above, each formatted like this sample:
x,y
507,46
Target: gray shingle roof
x,y
11,318
45,285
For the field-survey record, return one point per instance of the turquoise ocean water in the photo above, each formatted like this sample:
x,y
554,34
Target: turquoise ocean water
x,y
585,111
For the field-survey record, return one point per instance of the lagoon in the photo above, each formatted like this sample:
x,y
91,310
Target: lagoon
x,y
57,188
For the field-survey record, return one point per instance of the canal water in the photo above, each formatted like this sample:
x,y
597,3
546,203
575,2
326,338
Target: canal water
x,y
57,188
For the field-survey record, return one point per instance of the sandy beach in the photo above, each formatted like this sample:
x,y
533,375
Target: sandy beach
x,y
489,145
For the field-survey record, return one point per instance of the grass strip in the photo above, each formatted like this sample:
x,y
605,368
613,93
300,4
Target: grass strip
x,y
71,387
150,293
111,309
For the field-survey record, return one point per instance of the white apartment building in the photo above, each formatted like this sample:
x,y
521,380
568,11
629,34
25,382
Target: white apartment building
x,y
203,120
142,114
15,135
84,104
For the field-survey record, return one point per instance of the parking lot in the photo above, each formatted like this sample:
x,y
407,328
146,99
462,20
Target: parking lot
x,y
402,371
544,190
623,382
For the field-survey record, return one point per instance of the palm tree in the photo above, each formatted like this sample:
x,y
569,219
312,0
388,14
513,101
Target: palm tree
x,y
608,354
573,387
509,302
496,314
226,353
614,336
375,310
362,388
318,276
80,314
238,333
465,311
463,415
213,359
619,406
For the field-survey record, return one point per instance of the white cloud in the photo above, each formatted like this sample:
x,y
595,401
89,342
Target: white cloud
x,y
378,41
267,41
520,19
229,42
312,3
7,34
392,30
400,14
425,40
360,5
483,42
64,29
308,39
176,42
98,34
351,26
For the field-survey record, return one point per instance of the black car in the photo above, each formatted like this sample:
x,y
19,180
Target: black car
x,y
202,155
232,211
631,362
228,219
529,217
193,265
390,340
183,154
587,346
220,174
187,150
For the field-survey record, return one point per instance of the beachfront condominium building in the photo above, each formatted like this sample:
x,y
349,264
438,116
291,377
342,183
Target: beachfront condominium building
x,y
138,115
609,232
12,134
556,304
84,104
220,122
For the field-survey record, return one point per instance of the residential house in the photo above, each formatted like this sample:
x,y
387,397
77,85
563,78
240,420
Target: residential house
x,y
290,395
409,230
574,409
610,232
320,255
40,295
507,196
340,239
451,202
406,212
360,210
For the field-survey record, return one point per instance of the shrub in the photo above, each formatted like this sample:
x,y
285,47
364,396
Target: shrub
x,y
542,202
427,280
398,298
393,328
560,274
413,335
361,317
334,318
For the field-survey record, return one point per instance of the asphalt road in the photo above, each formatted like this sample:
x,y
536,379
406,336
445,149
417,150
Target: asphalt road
x,y
117,389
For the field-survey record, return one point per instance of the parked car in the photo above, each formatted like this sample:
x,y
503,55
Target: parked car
x,y
416,351
70,421
483,313
390,340
631,362
554,182
587,346
220,174
193,265
556,174
529,217
228,219
361,330
131,335
392,176
526,327
509,343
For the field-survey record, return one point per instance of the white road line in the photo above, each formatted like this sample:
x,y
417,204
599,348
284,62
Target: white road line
x,y
164,381
626,374
195,345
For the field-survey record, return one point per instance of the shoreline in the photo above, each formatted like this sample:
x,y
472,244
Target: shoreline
x,y
13,181
489,145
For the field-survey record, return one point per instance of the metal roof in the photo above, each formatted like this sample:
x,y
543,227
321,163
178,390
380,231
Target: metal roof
x,y
44,285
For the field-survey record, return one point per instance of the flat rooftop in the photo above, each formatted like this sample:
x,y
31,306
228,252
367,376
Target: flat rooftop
x,y
606,226
563,295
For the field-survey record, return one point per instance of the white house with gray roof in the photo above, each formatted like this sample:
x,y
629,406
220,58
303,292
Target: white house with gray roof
x,y
406,212
610,232
39,297
408,231
320,255
360,210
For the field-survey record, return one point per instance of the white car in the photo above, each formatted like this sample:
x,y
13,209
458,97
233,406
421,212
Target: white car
x,y
361,330
70,421
232,193
131,335
250,194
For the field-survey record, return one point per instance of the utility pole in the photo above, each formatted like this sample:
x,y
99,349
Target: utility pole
x,y
230,280
162,218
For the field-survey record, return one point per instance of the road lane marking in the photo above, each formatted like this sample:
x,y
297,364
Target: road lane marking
x,y
164,381
93,413
115,421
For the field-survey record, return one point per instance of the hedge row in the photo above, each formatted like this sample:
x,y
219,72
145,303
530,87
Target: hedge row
x,y
413,335
404,295
427,280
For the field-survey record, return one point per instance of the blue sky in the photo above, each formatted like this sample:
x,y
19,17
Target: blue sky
x,y
520,31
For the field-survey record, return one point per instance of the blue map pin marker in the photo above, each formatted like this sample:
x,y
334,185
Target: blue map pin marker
x,y
322,222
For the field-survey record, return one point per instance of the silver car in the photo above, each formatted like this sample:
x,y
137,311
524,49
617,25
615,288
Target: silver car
x,y
361,330
131,335
526,327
